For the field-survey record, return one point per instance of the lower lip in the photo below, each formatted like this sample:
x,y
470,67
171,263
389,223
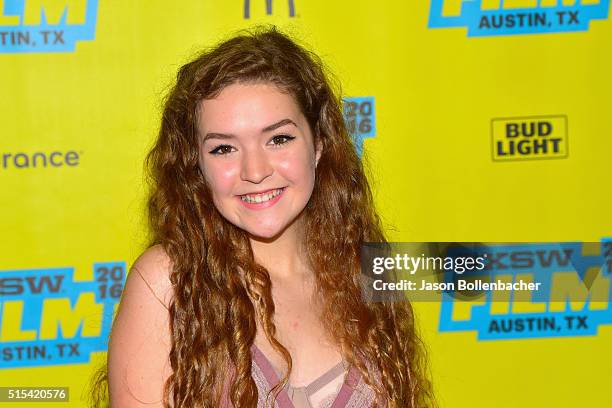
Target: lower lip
x,y
265,204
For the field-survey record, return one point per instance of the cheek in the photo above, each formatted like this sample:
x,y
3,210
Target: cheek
x,y
220,176
298,168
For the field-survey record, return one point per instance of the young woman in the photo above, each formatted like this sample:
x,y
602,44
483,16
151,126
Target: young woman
x,y
250,294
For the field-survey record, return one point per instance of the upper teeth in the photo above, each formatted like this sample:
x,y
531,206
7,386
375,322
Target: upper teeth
x,y
260,198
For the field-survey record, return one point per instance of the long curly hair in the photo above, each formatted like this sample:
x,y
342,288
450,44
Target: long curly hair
x,y
214,309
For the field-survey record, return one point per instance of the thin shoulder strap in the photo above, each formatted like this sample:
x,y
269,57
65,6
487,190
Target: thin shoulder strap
x,y
150,288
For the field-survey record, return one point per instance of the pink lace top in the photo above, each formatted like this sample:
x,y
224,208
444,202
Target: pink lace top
x,y
353,393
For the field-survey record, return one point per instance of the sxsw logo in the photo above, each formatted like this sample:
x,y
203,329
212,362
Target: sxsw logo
x,y
268,5
509,17
360,119
46,25
575,300
48,318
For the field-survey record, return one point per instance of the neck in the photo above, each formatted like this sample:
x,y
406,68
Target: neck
x,y
283,256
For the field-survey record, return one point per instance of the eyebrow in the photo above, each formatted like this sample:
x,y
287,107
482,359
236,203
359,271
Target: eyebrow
x,y
278,124
269,128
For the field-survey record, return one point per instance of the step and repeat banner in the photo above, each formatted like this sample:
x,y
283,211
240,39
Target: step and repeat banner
x,y
479,120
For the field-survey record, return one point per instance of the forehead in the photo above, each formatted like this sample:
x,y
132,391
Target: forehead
x,y
245,107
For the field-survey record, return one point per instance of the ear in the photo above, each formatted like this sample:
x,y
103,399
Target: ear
x,y
318,151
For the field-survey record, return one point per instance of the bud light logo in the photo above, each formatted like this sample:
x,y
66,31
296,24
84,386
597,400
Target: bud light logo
x,y
530,137
46,25
510,17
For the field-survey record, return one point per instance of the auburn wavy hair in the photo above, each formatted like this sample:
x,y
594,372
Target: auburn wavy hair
x,y
212,314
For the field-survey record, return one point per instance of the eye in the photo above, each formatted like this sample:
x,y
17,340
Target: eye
x,y
221,150
281,139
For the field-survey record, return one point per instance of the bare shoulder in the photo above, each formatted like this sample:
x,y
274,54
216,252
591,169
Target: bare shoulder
x,y
154,266
139,346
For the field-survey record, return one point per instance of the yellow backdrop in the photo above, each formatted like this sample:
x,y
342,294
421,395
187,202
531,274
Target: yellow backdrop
x,y
482,120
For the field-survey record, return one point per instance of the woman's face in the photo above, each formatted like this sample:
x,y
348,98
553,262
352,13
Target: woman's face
x,y
258,158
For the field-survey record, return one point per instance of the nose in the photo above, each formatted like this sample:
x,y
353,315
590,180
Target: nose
x,y
256,166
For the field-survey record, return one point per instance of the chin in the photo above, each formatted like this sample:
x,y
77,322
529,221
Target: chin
x,y
266,233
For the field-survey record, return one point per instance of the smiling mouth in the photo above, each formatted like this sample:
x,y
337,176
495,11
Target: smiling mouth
x,y
261,198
